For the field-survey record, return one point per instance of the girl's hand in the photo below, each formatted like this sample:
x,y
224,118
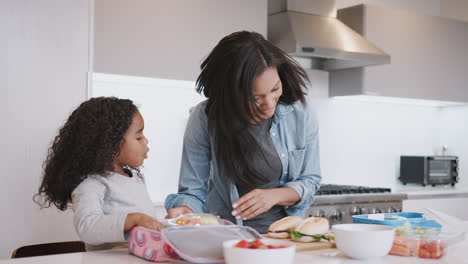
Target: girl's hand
x,y
139,219
175,212
259,201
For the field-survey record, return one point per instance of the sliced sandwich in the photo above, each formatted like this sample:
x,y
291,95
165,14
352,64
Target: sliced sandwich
x,y
310,230
282,227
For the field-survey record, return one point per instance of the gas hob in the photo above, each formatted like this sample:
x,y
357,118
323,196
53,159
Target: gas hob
x,y
339,203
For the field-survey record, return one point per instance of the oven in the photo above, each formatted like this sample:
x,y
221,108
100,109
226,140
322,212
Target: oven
x,y
338,203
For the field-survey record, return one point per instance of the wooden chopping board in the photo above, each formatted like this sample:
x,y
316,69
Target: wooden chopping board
x,y
301,246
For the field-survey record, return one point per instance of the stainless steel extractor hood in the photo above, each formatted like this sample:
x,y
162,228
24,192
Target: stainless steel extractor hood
x,y
306,28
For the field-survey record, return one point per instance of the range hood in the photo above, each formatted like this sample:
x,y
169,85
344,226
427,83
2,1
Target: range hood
x,y
310,29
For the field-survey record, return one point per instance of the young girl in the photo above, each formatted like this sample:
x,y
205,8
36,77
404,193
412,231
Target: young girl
x,y
93,164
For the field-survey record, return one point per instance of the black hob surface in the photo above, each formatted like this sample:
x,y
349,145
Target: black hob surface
x,y
327,189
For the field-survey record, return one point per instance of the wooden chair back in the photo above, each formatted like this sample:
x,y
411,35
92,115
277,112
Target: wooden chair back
x,y
49,249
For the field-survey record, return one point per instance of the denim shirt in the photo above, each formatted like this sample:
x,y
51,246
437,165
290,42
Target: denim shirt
x,y
202,185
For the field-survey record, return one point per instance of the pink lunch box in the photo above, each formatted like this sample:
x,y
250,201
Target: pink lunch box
x,y
148,244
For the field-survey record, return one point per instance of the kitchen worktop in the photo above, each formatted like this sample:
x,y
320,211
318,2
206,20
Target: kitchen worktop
x,y
430,192
456,254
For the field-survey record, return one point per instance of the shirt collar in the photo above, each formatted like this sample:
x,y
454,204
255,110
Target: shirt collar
x,y
281,110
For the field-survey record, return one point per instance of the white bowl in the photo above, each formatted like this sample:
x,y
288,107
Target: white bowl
x,y
362,241
233,255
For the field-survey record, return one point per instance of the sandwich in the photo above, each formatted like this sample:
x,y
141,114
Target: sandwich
x,y
282,227
311,229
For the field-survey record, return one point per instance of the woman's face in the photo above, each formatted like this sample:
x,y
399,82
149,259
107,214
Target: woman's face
x,y
267,89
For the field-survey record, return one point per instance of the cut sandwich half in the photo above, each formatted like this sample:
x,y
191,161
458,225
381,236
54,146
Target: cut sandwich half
x,y
282,227
310,230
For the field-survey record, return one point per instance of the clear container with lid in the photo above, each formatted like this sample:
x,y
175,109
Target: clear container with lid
x,y
424,242
406,245
433,247
201,219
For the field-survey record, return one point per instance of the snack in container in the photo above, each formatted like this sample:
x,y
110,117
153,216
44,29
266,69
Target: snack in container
x,y
200,219
424,243
405,245
432,247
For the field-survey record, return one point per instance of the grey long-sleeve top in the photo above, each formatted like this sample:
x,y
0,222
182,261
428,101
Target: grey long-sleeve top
x,y
101,204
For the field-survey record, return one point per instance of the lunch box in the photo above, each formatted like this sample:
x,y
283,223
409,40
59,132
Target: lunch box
x,y
197,244
402,219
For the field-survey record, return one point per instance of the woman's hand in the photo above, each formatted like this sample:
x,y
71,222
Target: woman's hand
x,y
175,212
139,219
259,201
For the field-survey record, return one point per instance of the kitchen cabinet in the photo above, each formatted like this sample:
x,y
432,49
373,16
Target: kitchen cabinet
x,y
167,39
451,206
429,58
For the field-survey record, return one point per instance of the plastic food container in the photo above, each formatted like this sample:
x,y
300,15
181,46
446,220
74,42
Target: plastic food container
x,y
390,219
196,244
433,247
197,220
405,245
424,243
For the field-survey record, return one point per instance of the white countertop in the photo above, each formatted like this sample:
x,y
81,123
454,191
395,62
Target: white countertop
x,y
456,255
430,192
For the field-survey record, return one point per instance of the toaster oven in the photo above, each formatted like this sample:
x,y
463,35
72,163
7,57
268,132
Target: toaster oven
x,y
429,170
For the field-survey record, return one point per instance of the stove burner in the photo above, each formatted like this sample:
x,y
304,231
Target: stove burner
x,y
326,189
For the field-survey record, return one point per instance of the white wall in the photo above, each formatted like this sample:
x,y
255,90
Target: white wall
x,y
44,56
361,142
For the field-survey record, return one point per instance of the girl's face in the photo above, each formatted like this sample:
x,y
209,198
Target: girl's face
x,y
267,89
134,148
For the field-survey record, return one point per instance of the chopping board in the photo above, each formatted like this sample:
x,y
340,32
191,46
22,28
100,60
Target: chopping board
x,y
302,246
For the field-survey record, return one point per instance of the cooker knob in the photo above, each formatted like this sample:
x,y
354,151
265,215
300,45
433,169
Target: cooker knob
x,y
356,210
319,213
336,215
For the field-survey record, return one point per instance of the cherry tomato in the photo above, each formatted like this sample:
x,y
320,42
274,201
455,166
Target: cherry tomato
x,y
242,244
257,244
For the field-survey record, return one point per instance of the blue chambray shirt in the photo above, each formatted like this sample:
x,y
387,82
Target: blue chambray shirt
x,y
202,186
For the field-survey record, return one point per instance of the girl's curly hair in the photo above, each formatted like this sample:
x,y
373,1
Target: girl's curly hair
x,y
86,144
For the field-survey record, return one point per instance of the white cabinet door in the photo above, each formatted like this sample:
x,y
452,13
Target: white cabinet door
x,y
451,206
429,58
170,38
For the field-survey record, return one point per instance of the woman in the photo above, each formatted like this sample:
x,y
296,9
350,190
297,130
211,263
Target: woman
x,y
250,150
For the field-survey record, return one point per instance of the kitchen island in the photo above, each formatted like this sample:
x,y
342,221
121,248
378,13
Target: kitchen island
x,y
444,198
456,255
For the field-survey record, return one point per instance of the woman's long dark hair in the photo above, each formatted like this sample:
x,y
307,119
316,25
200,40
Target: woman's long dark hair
x,y
226,79
86,144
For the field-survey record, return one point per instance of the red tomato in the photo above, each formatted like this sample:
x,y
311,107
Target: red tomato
x,y
424,253
242,244
433,246
257,244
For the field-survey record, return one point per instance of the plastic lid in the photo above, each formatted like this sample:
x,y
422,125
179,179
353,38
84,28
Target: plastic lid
x,y
205,243
195,220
